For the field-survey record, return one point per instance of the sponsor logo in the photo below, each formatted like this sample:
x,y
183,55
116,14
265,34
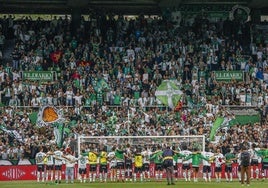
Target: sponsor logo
x,y
13,173
34,173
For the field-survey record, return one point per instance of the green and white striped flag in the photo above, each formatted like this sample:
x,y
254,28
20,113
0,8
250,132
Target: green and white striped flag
x,y
12,132
58,133
168,93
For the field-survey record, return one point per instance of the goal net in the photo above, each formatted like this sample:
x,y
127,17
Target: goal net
x,y
176,142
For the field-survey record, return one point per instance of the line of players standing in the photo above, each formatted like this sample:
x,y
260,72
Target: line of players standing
x,y
132,163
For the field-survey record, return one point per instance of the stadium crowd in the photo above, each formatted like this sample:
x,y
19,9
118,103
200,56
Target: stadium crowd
x,y
107,72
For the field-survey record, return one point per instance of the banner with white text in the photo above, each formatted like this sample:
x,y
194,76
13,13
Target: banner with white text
x,y
227,76
43,76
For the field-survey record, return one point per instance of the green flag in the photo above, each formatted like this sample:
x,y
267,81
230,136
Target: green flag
x,y
168,93
215,127
33,117
100,85
58,133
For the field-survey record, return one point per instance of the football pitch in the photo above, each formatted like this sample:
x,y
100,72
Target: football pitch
x,y
180,183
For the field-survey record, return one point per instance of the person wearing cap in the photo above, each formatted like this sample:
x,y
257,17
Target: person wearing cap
x,y
168,164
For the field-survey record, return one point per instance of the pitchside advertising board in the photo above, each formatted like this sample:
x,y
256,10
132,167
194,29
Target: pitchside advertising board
x,y
227,76
28,172
44,76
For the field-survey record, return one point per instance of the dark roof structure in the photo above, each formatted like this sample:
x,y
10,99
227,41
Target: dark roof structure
x,y
116,6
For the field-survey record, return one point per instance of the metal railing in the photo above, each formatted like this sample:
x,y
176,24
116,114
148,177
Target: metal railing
x,y
231,107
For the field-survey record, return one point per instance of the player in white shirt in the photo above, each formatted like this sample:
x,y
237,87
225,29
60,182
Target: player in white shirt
x,y
146,163
58,164
219,160
207,164
186,164
82,166
49,166
40,162
255,160
239,166
70,161
112,161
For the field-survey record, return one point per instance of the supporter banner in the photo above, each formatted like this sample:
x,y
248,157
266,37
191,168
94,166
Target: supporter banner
x,y
240,13
229,75
38,75
13,133
28,172
50,116
245,119
262,27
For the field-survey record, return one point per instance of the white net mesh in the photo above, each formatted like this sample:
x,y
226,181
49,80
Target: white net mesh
x,y
177,142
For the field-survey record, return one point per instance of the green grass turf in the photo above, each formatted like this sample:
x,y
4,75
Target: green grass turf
x,y
180,183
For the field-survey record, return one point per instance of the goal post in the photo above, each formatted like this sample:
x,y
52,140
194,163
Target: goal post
x,y
177,142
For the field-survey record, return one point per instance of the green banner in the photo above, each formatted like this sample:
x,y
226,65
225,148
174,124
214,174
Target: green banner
x,y
229,75
38,75
238,120
215,127
245,119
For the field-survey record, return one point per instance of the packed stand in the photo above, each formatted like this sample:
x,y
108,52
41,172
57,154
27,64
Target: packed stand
x,y
109,70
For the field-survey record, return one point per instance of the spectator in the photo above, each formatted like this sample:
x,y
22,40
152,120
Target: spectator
x,y
16,59
2,41
133,62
